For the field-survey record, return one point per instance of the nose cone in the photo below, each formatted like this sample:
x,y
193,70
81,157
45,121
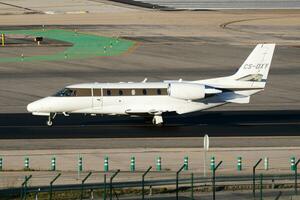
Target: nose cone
x,y
38,106
33,107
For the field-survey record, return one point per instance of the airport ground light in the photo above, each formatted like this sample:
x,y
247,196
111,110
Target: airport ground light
x,y
27,164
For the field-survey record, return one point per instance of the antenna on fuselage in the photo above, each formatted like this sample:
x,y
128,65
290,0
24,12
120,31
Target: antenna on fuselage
x,y
145,80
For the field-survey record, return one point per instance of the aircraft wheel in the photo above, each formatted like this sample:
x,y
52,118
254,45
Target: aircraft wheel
x,y
49,123
157,121
159,125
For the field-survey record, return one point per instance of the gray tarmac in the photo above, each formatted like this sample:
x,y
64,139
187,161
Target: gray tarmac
x,y
157,58
166,49
134,143
215,124
224,4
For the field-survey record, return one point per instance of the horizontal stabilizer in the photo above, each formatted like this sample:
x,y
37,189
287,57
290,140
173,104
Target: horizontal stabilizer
x,y
235,98
240,100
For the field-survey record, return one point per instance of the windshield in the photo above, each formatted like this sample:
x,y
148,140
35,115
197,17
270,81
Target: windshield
x,y
66,92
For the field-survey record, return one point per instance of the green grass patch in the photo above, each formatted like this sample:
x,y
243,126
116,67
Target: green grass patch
x,y
84,45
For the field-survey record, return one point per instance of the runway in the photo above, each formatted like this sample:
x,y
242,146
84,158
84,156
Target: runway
x,y
217,123
169,46
214,5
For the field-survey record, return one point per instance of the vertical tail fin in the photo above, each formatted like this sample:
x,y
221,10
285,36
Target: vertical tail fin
x,y
256,66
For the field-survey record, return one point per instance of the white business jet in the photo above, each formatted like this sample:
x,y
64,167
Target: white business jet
x,y
157,99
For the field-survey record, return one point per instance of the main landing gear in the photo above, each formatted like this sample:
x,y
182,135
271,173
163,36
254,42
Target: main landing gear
x,y
157,120
50,118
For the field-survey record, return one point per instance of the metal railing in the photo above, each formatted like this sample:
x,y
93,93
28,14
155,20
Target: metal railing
x,y
229,180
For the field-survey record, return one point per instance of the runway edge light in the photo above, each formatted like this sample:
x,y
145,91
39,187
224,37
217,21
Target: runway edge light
x,y
80,164
293,161
3,39
106,167
132,164
212,163
53,163
239,163
26,163
186,163
266,163
158,163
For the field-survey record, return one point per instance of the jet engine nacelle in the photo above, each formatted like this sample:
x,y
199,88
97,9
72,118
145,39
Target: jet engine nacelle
x,y
187,91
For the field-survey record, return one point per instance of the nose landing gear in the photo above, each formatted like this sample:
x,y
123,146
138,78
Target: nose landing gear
x,y
50,118
49,122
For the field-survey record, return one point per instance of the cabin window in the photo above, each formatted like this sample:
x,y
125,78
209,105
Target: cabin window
x,y
132,92
144,92
151,91
83,92
111,92
159,91
164,91
138,92
97,92
126,92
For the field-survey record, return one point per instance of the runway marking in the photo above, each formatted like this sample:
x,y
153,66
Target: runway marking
x,y
84,45
226,24
269,123
12,5
131,49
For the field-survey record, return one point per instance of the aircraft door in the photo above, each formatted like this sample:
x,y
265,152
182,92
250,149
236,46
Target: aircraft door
x,y
97,98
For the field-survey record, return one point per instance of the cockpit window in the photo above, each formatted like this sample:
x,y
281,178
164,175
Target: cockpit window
x,y
74,92
66,92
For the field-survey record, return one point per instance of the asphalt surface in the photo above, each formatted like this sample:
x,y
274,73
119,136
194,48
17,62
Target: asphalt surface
x,y
214,4
157,58
239,123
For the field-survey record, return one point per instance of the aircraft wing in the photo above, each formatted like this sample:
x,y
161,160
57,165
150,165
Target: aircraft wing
x,y
143,112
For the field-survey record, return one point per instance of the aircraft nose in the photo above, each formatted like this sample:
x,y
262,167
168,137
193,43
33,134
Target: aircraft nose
x,y
32,107
36,106
41,105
